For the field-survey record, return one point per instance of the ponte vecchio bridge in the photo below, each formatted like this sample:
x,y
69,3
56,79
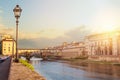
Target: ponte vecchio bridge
x,y
42,52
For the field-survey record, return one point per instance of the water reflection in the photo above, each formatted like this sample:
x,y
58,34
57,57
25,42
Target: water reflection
x,y
64,71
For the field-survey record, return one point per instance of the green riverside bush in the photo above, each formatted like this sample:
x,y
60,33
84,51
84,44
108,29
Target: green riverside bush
x,y
24,62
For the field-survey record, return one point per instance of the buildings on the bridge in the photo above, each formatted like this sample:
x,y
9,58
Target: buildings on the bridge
x,y
20,50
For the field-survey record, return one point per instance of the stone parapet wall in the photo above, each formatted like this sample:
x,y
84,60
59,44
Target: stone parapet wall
x,y
105,58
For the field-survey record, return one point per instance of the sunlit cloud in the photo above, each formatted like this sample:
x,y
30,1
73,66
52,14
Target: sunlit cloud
x,y
4,29
52,33
7,31
24,35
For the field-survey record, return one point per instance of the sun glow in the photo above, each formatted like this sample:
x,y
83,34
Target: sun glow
x,y
108,28
105,28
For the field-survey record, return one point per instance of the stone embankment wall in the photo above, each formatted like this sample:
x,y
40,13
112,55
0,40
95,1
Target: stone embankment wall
x,y
105,58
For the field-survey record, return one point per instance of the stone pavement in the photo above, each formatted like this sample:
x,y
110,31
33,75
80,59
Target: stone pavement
x,y
21,72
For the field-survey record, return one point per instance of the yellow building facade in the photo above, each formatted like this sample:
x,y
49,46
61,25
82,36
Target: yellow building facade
x,y
7,45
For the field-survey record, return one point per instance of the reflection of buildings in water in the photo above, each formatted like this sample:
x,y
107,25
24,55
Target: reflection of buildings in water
x,y
104,69
35,61
115,70
36,64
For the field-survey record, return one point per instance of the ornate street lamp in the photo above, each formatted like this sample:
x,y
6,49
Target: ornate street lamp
x,y
17,12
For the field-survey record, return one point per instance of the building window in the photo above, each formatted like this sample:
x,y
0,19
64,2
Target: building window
x,y
4,49
9,49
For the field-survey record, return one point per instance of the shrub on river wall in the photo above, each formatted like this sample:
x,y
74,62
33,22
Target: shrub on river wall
x,y
24,62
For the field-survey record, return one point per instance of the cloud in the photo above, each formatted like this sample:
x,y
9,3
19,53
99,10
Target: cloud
x,y
25,35
26,43
40,42
76,34
5,30
50,33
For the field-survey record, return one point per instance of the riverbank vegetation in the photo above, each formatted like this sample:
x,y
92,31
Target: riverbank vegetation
x,y
24,62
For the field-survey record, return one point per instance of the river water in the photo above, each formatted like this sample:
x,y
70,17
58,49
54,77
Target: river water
x,y
64,71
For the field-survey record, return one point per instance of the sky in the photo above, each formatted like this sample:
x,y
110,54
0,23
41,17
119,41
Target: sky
x,y
47,23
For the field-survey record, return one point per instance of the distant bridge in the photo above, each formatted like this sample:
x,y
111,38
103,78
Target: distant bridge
x,y
40,52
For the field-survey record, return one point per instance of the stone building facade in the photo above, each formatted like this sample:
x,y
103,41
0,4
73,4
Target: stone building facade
x,y
104,46
73,50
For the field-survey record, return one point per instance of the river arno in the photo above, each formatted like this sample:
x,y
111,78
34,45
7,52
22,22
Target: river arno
x,y
63,71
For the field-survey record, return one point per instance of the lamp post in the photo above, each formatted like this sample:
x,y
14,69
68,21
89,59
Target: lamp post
x,y
17,12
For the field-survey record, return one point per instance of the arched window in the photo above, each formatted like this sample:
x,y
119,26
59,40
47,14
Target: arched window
x,y
105,50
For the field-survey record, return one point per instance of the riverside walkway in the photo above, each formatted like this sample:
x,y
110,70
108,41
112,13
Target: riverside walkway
x,y
21,72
